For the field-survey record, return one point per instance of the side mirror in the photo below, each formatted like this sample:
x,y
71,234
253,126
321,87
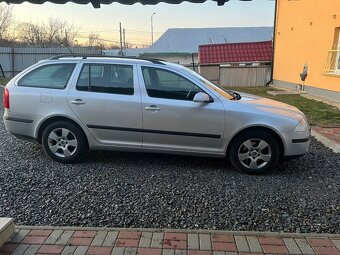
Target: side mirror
x,y
201,97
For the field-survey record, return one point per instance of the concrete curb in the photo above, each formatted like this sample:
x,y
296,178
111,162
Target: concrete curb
x,y
326,141
195,231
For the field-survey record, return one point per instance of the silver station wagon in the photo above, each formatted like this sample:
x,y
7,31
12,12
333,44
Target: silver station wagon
x,y
72,104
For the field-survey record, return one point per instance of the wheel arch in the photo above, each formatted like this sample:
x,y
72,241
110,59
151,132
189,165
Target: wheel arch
x,y
52,119
276,136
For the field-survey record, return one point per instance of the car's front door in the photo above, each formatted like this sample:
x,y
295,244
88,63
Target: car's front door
x,y
172,120
106,98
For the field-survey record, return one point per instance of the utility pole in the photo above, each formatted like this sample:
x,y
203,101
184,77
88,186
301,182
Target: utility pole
x,y
152,27
124,43
121,42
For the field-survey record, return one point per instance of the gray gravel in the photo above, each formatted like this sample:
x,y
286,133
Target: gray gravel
x,y
162,191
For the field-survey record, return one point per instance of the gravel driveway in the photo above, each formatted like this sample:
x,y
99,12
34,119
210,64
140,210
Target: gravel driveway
x,y
162,191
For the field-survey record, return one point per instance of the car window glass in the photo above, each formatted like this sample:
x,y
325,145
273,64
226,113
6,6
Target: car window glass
x,y
106,78
54,76
166,84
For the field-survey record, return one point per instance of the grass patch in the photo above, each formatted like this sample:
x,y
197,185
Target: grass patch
x,y
3,81
318,113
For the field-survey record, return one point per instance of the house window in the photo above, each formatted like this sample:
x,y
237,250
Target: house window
x,y
332,64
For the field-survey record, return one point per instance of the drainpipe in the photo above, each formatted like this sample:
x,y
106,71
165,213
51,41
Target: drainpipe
x,y
274,39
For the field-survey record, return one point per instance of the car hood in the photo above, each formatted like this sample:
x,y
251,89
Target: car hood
x,y
265,105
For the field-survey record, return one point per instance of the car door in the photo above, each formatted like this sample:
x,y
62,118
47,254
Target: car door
x,y
106,98
172,120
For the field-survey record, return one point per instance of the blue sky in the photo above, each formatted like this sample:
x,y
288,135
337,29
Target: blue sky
x,y
136,18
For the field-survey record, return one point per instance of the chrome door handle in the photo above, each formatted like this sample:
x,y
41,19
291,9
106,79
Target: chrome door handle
x,y
153,108
77,102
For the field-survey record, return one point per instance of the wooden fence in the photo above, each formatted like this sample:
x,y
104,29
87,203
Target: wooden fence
x,y
228,76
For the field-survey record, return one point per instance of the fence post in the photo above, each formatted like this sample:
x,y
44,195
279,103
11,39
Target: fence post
x,y
13,66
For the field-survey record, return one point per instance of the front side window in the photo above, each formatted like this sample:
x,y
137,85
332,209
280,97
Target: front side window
x,y
162,83
106,78
54,76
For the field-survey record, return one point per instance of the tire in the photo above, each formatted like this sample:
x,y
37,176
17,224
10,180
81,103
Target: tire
x,y
64,142
254,152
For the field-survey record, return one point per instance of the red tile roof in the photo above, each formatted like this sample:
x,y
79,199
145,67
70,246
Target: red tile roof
x,y
235,52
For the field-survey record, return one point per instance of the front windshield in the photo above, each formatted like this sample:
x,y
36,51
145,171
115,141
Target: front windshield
x,y
211,85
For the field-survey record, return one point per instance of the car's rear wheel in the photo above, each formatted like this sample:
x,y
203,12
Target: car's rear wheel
x,y
254,152
64,142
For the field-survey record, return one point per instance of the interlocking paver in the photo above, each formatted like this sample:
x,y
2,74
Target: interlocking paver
x,y
202,253
304,246
65,237
149,251
34,240
84,234
175,244
193,242
129,234
126,242
157,240
336,242
292,246
274,249
99,238
205,242
8,247
181,252
254,244
69,250
111,238
271,240
32,249
130,251
224,246
94,241
20,250
321,242
241,243
20,236
83,241
145,240
118,251
54,237
40,232
99,250
175,236
81,250
51,249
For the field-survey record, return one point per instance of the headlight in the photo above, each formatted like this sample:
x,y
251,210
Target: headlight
x,y
302,126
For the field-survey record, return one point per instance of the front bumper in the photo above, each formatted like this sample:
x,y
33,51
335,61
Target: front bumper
x,y
296,143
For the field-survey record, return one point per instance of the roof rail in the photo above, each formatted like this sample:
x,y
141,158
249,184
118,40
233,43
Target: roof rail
x,y
85,56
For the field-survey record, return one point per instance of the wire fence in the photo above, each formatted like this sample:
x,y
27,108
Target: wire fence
x,y
15,60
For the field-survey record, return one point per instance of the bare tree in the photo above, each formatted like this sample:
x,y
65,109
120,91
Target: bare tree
x,y
6,18
60,32
93,40
32,34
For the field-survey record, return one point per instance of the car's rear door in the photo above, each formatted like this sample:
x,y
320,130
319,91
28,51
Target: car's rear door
x,y
106,98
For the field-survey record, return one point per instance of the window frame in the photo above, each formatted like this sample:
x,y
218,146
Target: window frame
x,y
43,66
89,64
176,73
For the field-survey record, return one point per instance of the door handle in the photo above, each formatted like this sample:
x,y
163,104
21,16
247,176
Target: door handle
x,y
77,102
153,108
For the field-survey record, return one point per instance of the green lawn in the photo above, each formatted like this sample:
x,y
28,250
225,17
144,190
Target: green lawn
x,y
318,113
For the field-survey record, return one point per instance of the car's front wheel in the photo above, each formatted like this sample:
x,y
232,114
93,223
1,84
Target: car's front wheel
x,y
254,152
64,142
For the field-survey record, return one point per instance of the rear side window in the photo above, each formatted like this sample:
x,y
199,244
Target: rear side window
x,y
55,76
106,78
